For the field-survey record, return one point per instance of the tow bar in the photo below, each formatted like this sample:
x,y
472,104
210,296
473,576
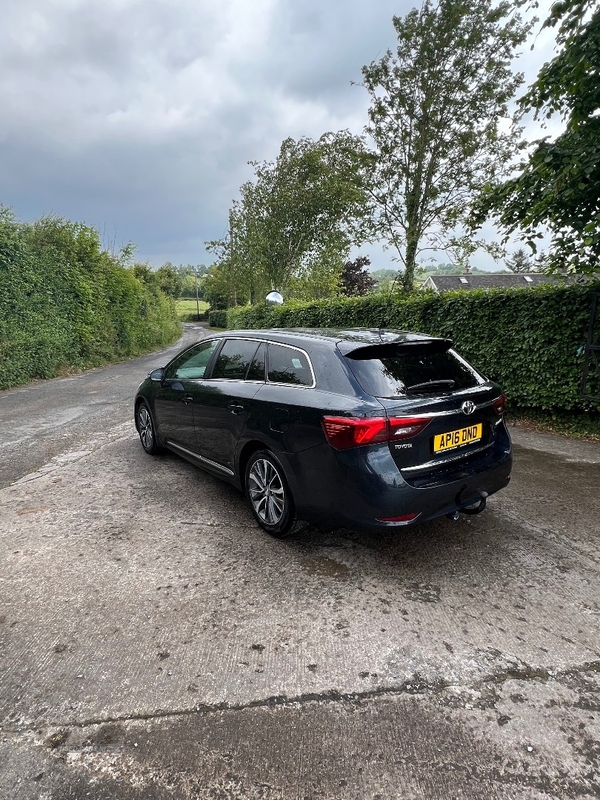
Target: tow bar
x,y
478,508
470,509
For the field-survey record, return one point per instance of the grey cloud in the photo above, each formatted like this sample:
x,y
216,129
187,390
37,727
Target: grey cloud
x,y
113,38
317,49
139,116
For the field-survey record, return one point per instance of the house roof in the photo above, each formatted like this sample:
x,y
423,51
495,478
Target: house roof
x,y
452,283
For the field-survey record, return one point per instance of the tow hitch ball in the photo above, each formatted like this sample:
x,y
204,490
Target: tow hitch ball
x,y
476,509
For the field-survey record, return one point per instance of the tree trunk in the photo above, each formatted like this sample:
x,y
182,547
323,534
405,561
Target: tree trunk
x,y
408,276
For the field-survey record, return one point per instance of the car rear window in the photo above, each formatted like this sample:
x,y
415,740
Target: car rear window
x,y
402,371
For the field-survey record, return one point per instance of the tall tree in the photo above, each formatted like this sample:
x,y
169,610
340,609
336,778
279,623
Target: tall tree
x,y
233,278
437,120
169,280
301,212
558,186
520,261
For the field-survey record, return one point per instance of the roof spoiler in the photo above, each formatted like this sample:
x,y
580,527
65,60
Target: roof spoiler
x,y
416,346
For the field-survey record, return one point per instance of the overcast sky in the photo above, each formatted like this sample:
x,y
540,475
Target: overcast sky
x,y
139,116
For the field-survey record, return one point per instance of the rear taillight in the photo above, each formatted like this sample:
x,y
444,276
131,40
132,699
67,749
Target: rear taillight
x,y
499,405
345,432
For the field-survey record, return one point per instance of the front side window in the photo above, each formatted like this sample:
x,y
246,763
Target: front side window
x,y
289,365
192,364
234,359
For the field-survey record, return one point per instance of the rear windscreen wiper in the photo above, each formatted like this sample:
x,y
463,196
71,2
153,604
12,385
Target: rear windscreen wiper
x,y
430,385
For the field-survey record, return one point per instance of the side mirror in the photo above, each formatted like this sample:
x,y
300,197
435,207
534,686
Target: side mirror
x,y
274,299
157,375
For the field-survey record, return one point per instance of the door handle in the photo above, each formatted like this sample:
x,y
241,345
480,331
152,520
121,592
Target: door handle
x,y
236,408
187,399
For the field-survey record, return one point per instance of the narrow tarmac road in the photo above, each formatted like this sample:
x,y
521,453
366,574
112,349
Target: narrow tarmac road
x,y
45,420
154,643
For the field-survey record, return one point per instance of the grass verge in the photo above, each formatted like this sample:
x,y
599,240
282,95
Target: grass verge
x,y
187,310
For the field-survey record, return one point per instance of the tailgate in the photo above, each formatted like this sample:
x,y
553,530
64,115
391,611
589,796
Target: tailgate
x,y
458,426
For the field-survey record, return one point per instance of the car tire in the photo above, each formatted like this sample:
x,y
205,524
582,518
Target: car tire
x,y
269,495
146,430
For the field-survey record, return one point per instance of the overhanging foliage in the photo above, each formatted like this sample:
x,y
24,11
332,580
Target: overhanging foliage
x,y
559,185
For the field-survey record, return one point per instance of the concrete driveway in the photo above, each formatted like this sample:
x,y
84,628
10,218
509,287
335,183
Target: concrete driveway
x,y
154,643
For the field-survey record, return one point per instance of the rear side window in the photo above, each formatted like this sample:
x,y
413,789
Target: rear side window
x,y
289,365
234,359
408,371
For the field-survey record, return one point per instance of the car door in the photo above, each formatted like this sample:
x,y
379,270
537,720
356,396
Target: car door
x,y
225,397
284,411
177,395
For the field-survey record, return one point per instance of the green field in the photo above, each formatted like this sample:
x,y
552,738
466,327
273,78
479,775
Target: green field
x,y
186,309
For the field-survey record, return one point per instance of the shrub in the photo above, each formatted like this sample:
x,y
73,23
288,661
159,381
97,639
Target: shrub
x,y
66,304
217,318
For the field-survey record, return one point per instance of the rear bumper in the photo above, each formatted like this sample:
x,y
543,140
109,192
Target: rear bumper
x,y
359,488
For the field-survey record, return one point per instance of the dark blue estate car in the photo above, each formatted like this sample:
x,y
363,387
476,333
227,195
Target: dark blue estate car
x,y
369,429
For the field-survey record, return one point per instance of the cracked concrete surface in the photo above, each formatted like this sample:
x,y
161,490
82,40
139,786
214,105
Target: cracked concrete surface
x,y
155,643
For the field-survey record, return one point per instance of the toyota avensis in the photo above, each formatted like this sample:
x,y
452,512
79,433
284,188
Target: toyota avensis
x,y
368,429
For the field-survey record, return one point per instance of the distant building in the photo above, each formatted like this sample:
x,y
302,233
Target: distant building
x,y
453,283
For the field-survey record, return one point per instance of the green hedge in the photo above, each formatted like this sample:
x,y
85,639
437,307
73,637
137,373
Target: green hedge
x,y
529,340
66,304
217,318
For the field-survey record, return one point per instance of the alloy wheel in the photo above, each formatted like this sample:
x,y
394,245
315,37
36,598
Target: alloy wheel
x,y
267,492
145,428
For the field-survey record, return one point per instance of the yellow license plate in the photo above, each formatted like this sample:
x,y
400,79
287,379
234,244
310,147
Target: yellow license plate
x,y
452,439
